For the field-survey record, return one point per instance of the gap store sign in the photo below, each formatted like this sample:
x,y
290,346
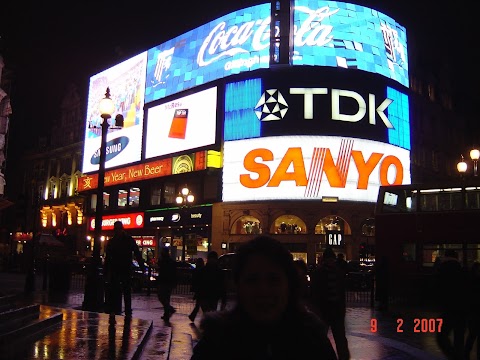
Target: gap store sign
x,y
326,33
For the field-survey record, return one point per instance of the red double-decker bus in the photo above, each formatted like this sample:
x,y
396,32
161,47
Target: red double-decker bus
x,y
415,224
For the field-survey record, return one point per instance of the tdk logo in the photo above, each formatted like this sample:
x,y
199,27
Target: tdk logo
x,y
112,147
273,106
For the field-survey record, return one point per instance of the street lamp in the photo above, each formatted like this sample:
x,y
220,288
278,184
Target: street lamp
x,y
184,198
462,166
94,296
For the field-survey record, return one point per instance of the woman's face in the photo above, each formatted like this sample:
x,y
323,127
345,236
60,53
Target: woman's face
x,y
262,289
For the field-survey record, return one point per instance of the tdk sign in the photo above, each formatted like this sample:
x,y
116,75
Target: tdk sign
x,y
113,148
273,106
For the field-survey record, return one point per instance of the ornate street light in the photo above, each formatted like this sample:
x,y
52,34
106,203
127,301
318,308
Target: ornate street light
x,y
462,166
184,199
94,289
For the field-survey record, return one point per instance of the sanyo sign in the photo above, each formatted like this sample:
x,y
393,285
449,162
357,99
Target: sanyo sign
x,y
311,167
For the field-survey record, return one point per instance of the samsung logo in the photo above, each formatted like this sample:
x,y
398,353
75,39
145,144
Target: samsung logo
x,y
112,147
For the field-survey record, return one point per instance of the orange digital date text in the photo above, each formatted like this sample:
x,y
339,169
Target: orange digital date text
x,y
419,325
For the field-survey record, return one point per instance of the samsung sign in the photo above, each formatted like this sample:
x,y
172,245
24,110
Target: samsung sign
x,y
127,87
326,33
311,167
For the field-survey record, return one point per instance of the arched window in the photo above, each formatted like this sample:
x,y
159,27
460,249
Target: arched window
x,y
246,224
333,222
288,224
368,227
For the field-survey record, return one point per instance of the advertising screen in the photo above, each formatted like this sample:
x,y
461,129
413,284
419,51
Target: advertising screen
x,y
313,101
332,33
185,123
229,45
311,167
126,82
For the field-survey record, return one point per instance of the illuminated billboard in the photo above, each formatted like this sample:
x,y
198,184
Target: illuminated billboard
x,y
126,82
311,167
332,33
185,123
312,102
326,33
229,45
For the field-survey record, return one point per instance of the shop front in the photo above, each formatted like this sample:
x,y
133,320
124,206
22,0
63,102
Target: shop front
x,y
187,231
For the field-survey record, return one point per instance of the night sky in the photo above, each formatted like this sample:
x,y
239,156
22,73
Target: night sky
x,y
49,47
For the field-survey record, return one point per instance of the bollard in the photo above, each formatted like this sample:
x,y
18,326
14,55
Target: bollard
x,y
149,273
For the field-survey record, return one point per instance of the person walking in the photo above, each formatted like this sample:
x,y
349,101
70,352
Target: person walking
x,y
211,285
118,270
268,320
451,285
199,264
166,282
328,291
473,323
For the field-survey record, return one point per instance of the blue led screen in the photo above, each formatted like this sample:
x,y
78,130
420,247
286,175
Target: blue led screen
x,y
332,33
229,45
398,114
240,119
326,33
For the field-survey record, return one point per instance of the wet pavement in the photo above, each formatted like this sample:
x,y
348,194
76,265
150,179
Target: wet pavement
x,y
372,334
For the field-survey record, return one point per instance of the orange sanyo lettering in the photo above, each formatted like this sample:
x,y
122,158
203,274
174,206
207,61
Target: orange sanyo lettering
x,y
391,160
331,171
293,156
253,166
365,168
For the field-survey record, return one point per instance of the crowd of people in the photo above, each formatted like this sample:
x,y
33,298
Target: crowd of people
x,y
278,313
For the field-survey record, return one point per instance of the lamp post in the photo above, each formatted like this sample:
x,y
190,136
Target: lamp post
x,y
184,198
94,296
462,166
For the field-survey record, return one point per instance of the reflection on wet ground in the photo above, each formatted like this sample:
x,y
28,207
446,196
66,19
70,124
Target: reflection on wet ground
x,y
84,335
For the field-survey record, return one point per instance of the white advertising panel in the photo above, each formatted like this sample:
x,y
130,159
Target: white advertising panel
x,y
182,124
311,167
126,82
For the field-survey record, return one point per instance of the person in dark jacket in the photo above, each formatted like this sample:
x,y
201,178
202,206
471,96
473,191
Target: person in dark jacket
x,y
211,285
118,270
328,291
199,264
474,311
268,320
166,282
451,280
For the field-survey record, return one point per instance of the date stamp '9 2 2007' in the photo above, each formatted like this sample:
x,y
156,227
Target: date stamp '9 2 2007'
x,y
419,325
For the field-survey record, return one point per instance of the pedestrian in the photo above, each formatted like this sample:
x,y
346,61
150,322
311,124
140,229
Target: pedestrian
x,y
166,282
382,283
451,287
302,269
118,270
268,320
342,263
199,264
211,285
328,288
473,323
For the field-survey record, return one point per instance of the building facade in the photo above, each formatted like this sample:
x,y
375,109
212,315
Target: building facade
x,y
287,136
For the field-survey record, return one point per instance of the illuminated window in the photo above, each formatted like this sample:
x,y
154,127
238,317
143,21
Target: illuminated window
x,y
122,198
288,224
134,197
169,193
246,225
333,223
156,195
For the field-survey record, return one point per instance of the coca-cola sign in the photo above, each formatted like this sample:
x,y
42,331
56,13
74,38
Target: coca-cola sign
x,y
326,33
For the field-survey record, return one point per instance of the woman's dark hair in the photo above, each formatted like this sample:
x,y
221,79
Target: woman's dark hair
x,y
275,252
